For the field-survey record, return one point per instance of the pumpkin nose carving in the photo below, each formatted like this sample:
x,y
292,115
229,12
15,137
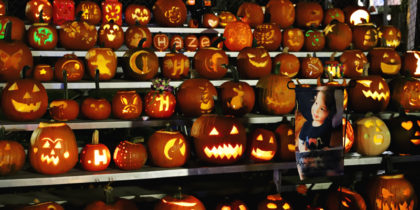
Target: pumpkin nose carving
x,y
52,152
27,96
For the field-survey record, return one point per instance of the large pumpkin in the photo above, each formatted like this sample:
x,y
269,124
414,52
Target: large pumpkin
x,y
102,59
135,33
276,202
412,63
293,39
389,36
372,136
338,35
251,13
282,12
74,67
238,98
196,97
285,135
33,10
140,63
111,35
405,94
24,100
385,61
135,13
171,13
405,134
218,139
129,155
78,35
91,12
353,63
268,35
365,36
309,14
168,148
254,62
95,156
343,198
53,148
127,105
262,145
290,64
12,157
238,35
210,62
42,36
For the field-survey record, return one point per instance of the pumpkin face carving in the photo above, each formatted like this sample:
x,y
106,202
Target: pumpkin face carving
x,y
405,93
263,145
254,62
384,61
168,148
112,11
196,97
218,139
293,38
226,17
389,36
364,37
372,136
111,35
368,93
137,13
285,135
24,100
96,109
405,134
333,14
127,105
274,202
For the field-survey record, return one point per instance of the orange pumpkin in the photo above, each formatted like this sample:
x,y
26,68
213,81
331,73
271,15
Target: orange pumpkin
x,y
254,62
96,108
309,14
42,36
95,156
282,12
140,63
191,42
285,135
356,15
64,109
364,36
314,40
160,41
111,35
33,11
210,20
290,64
127,105
196,97
78,35
209,62
12,157
175,66
91,12
238,35
135,33
102,59
412,63
389,36
385,61
170,13
130,155
268,36
168,148
135,13
17,31
333,14
353,62
74,67
311,67
293,39
251,13
178,41
226,17
262,145
43,73
338,35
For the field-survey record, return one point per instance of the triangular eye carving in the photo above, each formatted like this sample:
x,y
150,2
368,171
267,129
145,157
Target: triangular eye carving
x,y
234,130
35,89
260,137
13,87
214,132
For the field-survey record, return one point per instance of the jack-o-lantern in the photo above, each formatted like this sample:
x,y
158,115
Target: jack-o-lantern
x,y
24,100
175,66
135,33
111,35
102,59
160,102
343,137
17,31
285,135
95,156
130,155
389,36
168,148
333,68
238,35
177,41
262,145
282,12
338,35
170,13
210,20
385,61
274,202
412,63
135,13
314,40
251,13
42,36
96,108
64,109
50,205
53,148
405,134
232,205
179,201
91,12
268,35
12,157
290,64
218,139
74,67
368,94
203,42
111,202
274,96
333,14
309,14
226,17
372,136
78,35
254,62
356,15
2,8
43,73
365,36
353,63
391,192
191,42
405,94
63,11
210,62
343,198
293,39
33,10
311,67
160,42
127,105
196,97
140,63
112,11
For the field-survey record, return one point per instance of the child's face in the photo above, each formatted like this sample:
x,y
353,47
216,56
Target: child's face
x,y
319,110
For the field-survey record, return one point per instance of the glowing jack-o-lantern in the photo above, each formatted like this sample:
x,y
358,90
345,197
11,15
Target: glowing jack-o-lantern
x,y
232,205
196,97
226,17
191,42
175,66
282,12
268,35
218,139
311,67
63,11
96,108
293,38
91,12
130,155
95,156
333,14
274,202
290,64
385,61
178,42
159,104
170,13
285,135
179,201
372,136
389,36
314,40
74,67
135,33
135,13
12,157
309,14
102,59
2,8
127,104
111,35
405,134
412,63
53,148
356,15
33,10
64,110
391,192
24,100
210,62
365,36
112,10
262,145
251,13
238,98
343,199
254,62
405,93
353,62
338,36
140,63
238,35
78,35
168,148
42,36
43,73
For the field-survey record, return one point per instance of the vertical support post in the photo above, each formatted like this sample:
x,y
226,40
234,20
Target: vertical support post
x,y
277,179
411,24
385,13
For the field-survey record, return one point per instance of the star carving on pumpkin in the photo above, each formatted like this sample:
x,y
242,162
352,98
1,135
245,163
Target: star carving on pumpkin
x,y
101,64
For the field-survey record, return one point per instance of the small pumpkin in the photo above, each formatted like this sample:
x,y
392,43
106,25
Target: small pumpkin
x,y
112,11
178,41
226,17
293,39
64,109
168,148
314,40
262,145
254,62
203,42
33,10
372,136
170,13
111,35
91,12
43,73
74,67
191,42
102,59
290,64
309,14
111,202
232,205
135,13
175,65
196,97
389,36
130,155
12,157
338,36
160,41
238,35
275,201
282,12
251,13
95,156
126,105
179,201
268,35
160,102
285,135
210,20
140,63
135,33
96,108
42,36
311,67
405,134
385,61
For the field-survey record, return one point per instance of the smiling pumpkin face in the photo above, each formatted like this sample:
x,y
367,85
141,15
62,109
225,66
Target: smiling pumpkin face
x,y
254,61
368,94
263,145
385,61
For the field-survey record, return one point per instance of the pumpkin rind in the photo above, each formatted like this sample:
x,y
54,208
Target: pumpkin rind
x,y
168,148
12,157
130,156
196,97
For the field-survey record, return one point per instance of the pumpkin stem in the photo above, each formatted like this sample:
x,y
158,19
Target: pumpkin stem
x,y
95,137
332,57
109,199
179,194
79,15
217,41
97,79
8,32
25,71
140,45
138,139
41,18
277,68
286,50
173,48
66,91
365,69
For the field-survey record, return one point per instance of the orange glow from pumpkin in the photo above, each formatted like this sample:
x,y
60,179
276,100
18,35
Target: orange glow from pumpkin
x,y
234,131
225,208
262,154
171,144
237,101
163,102
359,16
101,158
271,206
214,132
224,151
291,147
180,203
286,206
242,207
407,125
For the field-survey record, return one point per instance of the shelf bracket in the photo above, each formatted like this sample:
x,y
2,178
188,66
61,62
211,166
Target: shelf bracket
x,y
277,179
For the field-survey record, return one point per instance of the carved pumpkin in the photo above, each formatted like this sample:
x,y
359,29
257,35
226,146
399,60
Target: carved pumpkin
x,y
389,36
311,67
196,97
285,135
127,105
17,31
268,35
179,201
343,137
111,35
405,93
274,202
309,14
356,15
412,63
42,36
333,68
103,59
140,63
64,110
111,202
405,134
191,42
262,145
193,23
238,35
293,39
175,66
343,198
33,10
129,155
95,156
45,205
391,192
159,104
135,34
91,12
203,42
232,205
251,13
209,62
24,100
178,41
353,62
290,64
160,41
63,11
226,17
218,139
112,11
53,148
333,14
74,67
365,36
282,12
2,8
96,108
314,40
78,35
385,61
135,13
338,35
43,73
210,20
168,148
254,62
372,136
12,157
170,13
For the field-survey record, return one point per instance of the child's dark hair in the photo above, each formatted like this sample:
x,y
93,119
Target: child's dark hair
x,y
329,102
